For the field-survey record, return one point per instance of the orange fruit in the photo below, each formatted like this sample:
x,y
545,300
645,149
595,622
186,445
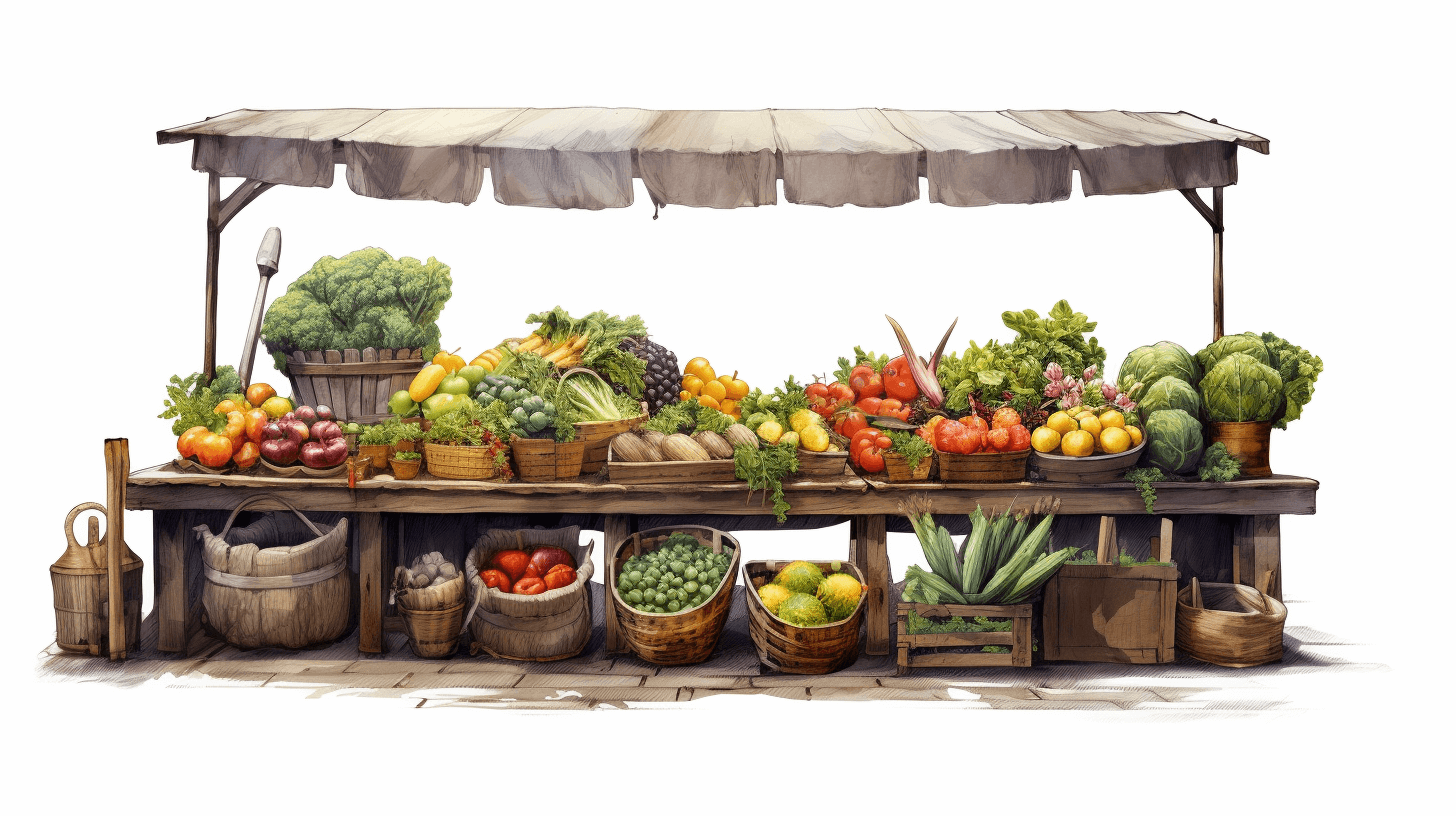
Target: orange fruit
x,y
1061,422
1135,434
259,393
276,406
728,406
1077,443
693,384
737,389
1005,418
1090,424
684,396
226,407
707,401
1115,440
714,389
1045,439
1112,418
699,367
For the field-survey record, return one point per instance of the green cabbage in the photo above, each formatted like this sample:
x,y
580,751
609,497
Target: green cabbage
x,y
1239,388
1149,364
1246,343
1175,441
1168,392
1299,369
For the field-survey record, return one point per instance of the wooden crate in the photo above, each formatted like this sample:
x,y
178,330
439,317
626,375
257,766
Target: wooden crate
x,y
598,437
1104,613
669,472
355,383
1008,466
1018,639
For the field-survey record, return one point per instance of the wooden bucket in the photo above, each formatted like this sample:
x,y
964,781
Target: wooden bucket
x,y
356,383
289,595
405,469
1230,624
598,436
546,460
820,464
1007,466
432,616
551,626
1247,442
897,468
378,455
668,472
78,586
800,649
672,638
460,462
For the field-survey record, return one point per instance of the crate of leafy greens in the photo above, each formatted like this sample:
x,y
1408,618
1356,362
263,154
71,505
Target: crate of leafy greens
x,y
977,600
671,589
598,412
542,438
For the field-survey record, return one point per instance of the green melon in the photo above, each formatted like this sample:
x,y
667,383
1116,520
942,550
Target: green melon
x,y
840,595
772,595
800,576
800,609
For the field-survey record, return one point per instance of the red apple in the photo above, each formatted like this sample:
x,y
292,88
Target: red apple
x,y
544,558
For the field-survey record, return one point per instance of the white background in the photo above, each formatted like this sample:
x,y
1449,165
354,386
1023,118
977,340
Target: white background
x,y
1331,243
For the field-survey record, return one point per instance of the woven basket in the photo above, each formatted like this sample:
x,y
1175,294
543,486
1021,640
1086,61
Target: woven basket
x,y
460,462
897,469
1008,466
672,638
546,460
551,626
1230,624
800,649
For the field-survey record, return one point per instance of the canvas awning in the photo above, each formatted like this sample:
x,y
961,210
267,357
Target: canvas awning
x,y
586,158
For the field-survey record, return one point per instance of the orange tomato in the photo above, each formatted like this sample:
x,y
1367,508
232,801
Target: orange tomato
x,y
707,401
227,406
1020,437
187,442
259,393
214,450
692,383
236,430
451,362
1005,418
975,422
246,456
1000,438
254,422
714,389
736,389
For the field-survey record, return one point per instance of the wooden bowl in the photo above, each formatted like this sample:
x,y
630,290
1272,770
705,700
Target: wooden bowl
x,y
301,470
1102,467
198,467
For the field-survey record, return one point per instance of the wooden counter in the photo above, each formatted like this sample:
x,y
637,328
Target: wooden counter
x,y
182,499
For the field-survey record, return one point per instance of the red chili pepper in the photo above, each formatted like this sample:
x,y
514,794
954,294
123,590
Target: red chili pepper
x,y
496,578
530,585
559,576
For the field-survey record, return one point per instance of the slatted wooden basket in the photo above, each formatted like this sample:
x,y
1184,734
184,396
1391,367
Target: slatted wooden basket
x,y
546,460
820,464
1231,624
673,638
432,616
800,649
553,625
598,437
897,468
356,383
1000,466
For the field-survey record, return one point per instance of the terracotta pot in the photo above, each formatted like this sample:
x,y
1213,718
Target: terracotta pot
x,y
404,469
1247,442
404,446
378,455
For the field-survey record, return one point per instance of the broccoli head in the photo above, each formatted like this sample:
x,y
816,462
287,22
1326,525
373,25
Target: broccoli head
x,y
362,300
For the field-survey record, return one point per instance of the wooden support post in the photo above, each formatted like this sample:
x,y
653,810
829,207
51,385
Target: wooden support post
x,y
1218,263
176,561
873,548
615,529
370,529
118,465
857,543
214,249
1107,540
1162,544
1256,539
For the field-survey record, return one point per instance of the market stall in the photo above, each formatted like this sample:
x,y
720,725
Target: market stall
x,y
587,158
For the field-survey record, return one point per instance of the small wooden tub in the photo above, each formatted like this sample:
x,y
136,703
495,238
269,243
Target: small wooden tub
x,y
820,464
998,466
1230,624
546,460
674,638
897,468
432,616
800,649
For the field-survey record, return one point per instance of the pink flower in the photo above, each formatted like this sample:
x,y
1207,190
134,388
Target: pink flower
x,y
1053,389
1109,391
1090,373
1071,401
1124,403
1053,372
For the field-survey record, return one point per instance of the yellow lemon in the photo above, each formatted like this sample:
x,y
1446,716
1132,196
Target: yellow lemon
x,y
1045,439
814,437
1090,424
789,438
1135,434
693,384
714,389
1077,443
770,432
1115,440
1112,419
803,418
698,367
1061,422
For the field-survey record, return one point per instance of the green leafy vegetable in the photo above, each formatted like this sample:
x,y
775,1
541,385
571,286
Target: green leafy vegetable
x,y
986,372
1239,388
366,299
1298,369
603,333
1168,392
861,357
1175,440
1246,343
1122,560
378,435
1152,364
764,468
783,403
909,445
1218,464
1144,478
687,416
191,404
589,396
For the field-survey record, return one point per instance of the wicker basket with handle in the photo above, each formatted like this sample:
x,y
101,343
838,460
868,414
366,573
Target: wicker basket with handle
x,y
673,638
460,461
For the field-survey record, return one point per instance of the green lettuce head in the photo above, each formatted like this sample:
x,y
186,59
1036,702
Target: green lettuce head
x,y
1168,392
1299,369
1175,440
1239,388
1149,364
1246,343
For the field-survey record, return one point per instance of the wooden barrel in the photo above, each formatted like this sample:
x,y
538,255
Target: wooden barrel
x,y
672,638
78,587
551,626
280,581
800,649
1007,466
356,383
897,468
1247,442
598,436
432,616
546,460
1236,625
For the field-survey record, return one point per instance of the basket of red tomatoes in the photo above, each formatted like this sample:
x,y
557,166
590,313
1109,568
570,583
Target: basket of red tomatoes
x,y
971,450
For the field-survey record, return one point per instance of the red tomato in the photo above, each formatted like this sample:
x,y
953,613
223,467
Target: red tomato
x,y
1020,437
214,450
952,437
529,585
841,394
975,422
1005,418
496,578
187,442
247,455
511,562
818,395
545,558
872,461
999,438
975,439
870,405
851,422
559,576
254,422
866,382
898,381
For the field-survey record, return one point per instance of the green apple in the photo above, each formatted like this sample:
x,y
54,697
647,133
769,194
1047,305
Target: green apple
x,y
454,384
401,405
438,405
472,373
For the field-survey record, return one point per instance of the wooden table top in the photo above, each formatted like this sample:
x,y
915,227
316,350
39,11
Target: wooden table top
x,y
165,487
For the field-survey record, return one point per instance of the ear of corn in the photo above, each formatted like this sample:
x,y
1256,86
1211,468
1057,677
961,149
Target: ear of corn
x,y
1039,573
975,555
1007,574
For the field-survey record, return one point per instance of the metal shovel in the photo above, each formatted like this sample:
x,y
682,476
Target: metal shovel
x,y
268,253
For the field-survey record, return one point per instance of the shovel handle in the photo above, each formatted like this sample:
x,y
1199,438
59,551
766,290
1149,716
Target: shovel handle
x,y
269,251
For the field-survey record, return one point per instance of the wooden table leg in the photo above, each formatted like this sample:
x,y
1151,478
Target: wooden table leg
x,y
615,529
873,549
371,534
857,543
1257,538
176,561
